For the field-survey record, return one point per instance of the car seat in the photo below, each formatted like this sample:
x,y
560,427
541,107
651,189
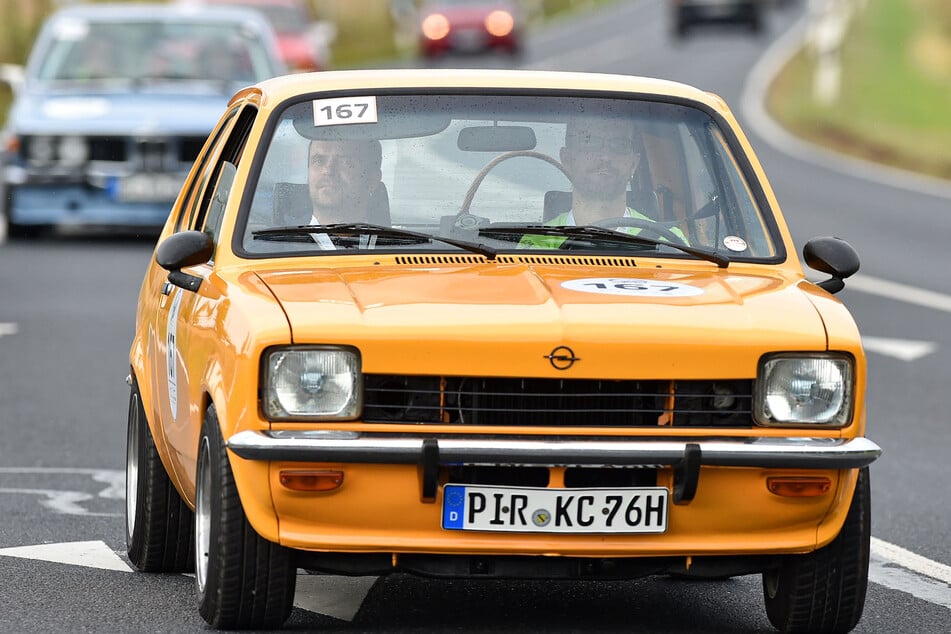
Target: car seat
x,y
292,206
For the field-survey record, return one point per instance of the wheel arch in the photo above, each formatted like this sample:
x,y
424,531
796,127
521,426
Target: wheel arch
x,y
252,477
832,524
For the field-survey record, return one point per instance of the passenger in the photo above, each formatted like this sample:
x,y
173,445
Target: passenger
x,y
600,158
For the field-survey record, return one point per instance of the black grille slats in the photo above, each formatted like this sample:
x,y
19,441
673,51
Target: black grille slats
x,y
556,402
168,154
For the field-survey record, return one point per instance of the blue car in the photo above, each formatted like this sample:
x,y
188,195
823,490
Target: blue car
x,y
115,103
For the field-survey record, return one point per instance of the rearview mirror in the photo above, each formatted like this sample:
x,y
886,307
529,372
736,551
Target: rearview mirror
x,y
496,138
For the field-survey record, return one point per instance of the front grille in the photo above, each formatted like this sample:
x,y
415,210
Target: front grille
x,y
108,149
556,402
153,155
160,154
190,148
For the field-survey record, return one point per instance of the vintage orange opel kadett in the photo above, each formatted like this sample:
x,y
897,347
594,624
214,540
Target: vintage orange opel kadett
x,y
493,324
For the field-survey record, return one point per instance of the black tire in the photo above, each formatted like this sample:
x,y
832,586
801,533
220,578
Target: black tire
x,y
158,522
824,591
243,580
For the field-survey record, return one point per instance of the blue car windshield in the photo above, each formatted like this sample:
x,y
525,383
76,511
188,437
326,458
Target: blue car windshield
x,y
89,51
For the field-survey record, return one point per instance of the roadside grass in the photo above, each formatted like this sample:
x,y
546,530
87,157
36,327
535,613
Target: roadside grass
x,y
895,102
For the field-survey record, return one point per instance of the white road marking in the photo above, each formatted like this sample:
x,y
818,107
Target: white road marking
x,y
894,577
331,595
902,349
911,561
8,328
92,554
341,597
64,502
900,292
68,502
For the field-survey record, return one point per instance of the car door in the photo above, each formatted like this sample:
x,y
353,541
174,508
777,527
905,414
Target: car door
x,y
176,375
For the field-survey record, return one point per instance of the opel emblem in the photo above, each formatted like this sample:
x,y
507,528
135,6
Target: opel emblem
x,y
562,358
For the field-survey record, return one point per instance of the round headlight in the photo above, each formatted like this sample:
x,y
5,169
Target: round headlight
x,y
73,150
40,149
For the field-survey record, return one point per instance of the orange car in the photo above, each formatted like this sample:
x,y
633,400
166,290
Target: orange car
x,y
493,324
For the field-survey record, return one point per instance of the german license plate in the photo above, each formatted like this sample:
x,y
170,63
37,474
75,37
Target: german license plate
x,y
536,510
145,188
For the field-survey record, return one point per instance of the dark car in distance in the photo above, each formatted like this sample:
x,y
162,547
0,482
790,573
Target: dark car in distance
x,y
687,13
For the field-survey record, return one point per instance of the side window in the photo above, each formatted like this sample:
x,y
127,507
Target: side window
x,y
219,199
201,173
214,200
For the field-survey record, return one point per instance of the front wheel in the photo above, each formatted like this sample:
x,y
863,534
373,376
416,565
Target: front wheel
x,y
243,580
824,591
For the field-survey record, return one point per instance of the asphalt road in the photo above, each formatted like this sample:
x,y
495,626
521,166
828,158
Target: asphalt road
x,y
66,313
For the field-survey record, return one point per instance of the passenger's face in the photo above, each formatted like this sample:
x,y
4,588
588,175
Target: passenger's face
x,y
599,157
340,178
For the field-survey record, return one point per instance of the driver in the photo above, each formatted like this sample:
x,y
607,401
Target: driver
x,y
599,158
341,177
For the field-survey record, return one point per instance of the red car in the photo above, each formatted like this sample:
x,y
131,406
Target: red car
x,y
303,42
468,26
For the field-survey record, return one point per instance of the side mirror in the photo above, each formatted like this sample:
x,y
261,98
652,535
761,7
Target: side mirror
x,y
179,250
833,256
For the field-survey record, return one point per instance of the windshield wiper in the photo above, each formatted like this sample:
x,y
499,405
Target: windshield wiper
x,y
360,228
608,235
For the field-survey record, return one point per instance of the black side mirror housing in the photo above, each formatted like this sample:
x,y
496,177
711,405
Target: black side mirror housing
x,y
833,256
179,250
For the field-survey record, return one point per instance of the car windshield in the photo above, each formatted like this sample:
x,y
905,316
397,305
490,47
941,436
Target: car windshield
x,y
142,50
504,173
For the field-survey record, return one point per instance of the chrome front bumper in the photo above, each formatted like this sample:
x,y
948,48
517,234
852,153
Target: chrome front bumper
x,y
354,447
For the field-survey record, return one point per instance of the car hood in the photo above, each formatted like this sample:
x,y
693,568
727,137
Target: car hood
x,y
645,323
146,112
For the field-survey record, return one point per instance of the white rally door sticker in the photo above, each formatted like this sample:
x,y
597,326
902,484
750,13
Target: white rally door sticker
x,y
631,287
344,110
171,353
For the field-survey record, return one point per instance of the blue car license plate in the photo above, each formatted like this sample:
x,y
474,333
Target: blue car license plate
x,y
537,510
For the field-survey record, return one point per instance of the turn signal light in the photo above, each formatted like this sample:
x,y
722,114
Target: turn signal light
x,y
799,486
311,480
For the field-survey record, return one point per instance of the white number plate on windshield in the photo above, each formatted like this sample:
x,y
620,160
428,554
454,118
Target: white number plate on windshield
x,y
525,510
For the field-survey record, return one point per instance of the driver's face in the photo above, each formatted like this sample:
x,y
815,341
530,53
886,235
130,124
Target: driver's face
x,y
340,175
599,157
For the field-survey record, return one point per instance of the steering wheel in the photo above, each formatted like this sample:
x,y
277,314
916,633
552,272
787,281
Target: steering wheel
x,y
470,194
648,226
